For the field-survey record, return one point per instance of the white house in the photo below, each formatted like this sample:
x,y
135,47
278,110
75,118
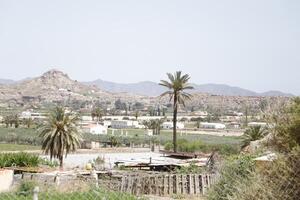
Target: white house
x,y
212,125
98,129
169,125
124,124
252,124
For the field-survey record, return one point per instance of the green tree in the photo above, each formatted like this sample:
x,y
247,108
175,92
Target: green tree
x,y
28,122
287,129
136,114
177,84
252,134
60,134
98,113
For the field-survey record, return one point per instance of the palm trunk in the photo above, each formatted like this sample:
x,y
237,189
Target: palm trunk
x,y
174,123
61,162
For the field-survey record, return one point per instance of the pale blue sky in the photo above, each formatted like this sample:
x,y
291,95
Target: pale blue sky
x,y
253,44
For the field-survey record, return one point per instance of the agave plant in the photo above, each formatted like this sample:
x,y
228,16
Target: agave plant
x,y
253,134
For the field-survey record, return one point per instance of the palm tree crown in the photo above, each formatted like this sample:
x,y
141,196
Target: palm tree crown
x,y
177,84
60,134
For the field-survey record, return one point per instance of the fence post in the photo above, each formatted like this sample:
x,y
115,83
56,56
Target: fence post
x,y
35,193
95,176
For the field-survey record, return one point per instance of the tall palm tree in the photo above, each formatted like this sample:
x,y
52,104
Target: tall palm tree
x,y
60,134
253,134
176,85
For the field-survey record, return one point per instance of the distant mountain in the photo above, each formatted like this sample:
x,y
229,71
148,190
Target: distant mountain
x,y
146,88
149,88
6,81
53,85
56,85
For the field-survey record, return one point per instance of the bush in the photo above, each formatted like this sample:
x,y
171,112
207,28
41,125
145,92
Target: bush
x,y
235,170
26,188
21,159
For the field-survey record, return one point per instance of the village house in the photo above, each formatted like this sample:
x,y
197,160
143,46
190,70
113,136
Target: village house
x,y
169,125
124,124
209,125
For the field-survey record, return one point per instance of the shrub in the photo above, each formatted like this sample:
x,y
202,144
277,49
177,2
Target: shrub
x,y
21,159
235,170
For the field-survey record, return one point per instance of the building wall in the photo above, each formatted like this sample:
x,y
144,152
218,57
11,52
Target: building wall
x,y
6,179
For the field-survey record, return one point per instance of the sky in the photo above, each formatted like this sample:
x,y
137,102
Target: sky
x,y
253,44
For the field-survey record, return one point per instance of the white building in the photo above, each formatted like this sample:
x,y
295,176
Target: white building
x,y
212,125
124,124
169,125
32,115
98,129
253,124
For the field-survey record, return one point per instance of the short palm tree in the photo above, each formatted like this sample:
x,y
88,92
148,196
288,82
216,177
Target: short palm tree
x,y
60,134
98,113
253,134
177,84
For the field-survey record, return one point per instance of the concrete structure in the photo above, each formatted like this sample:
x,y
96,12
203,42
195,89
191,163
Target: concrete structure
x,y
253,124
98,129
124,124
169,125
6,179
209,125
32,115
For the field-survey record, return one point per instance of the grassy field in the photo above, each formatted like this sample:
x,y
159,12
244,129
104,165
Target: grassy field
x,y
166,135
28,139
18,147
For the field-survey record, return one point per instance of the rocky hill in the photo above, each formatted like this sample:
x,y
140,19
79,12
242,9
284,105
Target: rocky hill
x,y
52,86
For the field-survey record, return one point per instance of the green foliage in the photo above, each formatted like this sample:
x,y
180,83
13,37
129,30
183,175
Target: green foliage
x,y
253,134
287,127
92,193
19,136
17,147
176,85
50,163
26,188
60,134
19,159
191,168
234,171
198,146
279,179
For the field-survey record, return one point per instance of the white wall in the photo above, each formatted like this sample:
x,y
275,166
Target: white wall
x,y
6,179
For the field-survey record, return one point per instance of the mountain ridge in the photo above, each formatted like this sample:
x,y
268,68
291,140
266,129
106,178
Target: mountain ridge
x,y
149,88
145,88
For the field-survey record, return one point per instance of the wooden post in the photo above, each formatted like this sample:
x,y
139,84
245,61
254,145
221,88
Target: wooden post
x,y
177,184
138,186
57,180
156,184
204,184
95,177
197,184
122,184
171,184
190,184
165,191
35,193
129,187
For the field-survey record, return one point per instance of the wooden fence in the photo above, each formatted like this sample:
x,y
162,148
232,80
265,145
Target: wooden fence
x,y
167,184
161,184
